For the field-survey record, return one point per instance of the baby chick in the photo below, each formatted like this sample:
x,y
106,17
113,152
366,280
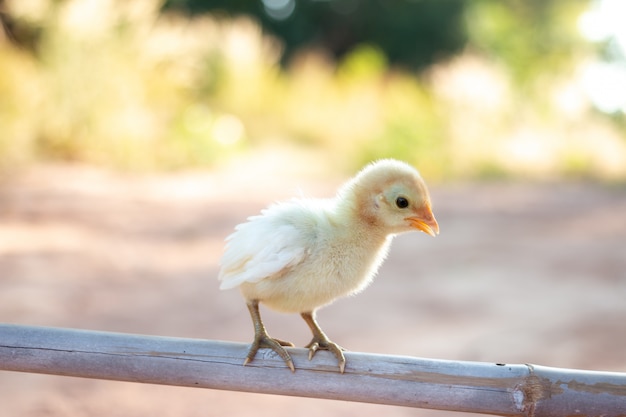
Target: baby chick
x,y
300,255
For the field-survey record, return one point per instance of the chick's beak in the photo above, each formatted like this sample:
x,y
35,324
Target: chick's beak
x,y
425,221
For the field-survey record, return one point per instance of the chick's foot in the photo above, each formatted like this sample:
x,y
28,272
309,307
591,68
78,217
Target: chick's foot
x,y
265,341
321,341
325,344
262,339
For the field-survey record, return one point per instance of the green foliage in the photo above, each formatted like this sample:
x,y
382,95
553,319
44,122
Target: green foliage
x,y
411,130
527,36
118,87
120,83
365,63
413,34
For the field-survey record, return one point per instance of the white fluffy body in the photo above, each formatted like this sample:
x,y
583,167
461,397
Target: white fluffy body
x,y
299,255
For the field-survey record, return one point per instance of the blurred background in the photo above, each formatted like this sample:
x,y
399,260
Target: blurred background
x,y
481,88
134,135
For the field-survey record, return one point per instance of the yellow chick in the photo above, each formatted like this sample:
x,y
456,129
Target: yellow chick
x,y
300,255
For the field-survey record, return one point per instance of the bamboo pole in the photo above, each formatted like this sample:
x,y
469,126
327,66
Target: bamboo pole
x,y
503,389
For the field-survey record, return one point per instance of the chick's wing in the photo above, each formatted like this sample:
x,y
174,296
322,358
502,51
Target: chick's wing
x,y
263,247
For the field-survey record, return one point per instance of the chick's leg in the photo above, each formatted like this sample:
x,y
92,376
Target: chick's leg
x,y
321,341
262,339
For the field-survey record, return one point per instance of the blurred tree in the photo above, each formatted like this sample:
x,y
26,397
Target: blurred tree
x,y
530,37
414,33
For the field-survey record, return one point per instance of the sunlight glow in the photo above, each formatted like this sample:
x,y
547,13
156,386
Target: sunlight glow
x,y
605,82
228,129
605,85
604,20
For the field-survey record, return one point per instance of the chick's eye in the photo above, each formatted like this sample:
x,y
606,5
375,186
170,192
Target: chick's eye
x,y
402,202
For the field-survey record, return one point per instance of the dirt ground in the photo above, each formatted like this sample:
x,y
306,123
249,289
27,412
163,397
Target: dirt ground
x,y
521,273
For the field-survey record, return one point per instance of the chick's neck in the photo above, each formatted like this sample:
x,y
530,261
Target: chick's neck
x,y
353,215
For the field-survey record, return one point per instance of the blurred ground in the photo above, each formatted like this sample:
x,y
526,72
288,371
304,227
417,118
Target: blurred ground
x,y
521,273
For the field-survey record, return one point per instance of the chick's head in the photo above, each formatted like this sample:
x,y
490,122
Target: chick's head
x,y
391,195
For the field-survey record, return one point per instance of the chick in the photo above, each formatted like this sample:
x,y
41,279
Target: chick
x,y
300,255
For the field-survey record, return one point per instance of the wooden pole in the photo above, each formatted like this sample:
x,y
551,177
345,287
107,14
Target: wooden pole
x,y
503,389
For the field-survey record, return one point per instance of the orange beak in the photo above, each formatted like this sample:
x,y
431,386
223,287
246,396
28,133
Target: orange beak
x,y
425,221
